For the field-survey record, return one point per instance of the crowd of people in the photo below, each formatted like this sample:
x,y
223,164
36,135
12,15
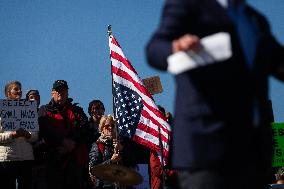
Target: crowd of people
x,y
69,144
221,138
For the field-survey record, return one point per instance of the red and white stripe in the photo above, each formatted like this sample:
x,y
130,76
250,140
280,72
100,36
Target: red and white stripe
x,y
147,131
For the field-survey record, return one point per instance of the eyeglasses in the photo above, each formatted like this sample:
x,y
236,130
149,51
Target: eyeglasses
x,y
109,125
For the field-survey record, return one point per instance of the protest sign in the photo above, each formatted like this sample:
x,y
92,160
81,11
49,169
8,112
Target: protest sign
x,y
17,114
153,85
278,144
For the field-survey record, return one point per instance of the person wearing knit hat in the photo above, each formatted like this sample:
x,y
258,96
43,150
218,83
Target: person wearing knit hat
x,y
60,84
33,95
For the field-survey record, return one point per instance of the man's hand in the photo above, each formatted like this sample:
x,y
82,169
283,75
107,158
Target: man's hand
x,y
117,146
115,158
14,134
24,133
93,179
21,133
185,43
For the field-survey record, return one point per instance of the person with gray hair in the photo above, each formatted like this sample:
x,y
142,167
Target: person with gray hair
x,y
16,152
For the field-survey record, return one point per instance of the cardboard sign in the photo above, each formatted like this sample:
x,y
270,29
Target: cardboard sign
x,y
153,84
17,114
278,144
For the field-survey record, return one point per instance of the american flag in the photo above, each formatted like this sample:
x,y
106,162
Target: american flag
x,y
137,115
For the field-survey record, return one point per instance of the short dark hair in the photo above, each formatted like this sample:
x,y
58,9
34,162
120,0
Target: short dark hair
x,y
95,102
32,91
8,85
162,109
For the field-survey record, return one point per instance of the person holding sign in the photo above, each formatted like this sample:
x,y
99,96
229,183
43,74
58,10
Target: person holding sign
x,y
16,153
63,126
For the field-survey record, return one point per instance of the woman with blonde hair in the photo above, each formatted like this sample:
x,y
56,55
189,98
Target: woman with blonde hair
x,y
106,150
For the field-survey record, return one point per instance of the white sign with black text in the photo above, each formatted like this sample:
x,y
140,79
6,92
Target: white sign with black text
x,y
17,114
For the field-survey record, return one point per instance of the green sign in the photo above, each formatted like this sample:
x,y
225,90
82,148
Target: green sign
x,y
278,144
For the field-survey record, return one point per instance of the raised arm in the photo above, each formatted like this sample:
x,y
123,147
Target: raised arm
x,y
171,33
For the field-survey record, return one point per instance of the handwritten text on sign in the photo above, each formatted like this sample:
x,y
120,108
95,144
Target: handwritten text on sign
x,y
17,114
153,84
278,144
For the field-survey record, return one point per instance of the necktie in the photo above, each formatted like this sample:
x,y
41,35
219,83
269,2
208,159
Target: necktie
x,y
248,38
247,31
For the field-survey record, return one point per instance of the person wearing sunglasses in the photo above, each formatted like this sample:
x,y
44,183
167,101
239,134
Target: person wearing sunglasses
x,y
106,150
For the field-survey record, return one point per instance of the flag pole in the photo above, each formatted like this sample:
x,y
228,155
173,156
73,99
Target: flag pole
x,y
109,32
162,158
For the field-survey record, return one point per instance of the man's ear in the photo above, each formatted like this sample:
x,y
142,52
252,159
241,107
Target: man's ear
x,y
8,93
52,93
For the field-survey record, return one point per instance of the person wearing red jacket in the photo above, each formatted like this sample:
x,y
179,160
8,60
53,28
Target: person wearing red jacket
x,y
156,171
63,126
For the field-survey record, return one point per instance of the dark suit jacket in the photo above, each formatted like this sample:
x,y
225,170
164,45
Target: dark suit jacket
x,y
213,110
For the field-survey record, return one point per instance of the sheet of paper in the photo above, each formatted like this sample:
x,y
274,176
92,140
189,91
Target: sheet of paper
x,y
214,48
223,3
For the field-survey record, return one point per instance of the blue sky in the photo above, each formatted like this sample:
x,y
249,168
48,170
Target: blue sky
x,y
42,41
